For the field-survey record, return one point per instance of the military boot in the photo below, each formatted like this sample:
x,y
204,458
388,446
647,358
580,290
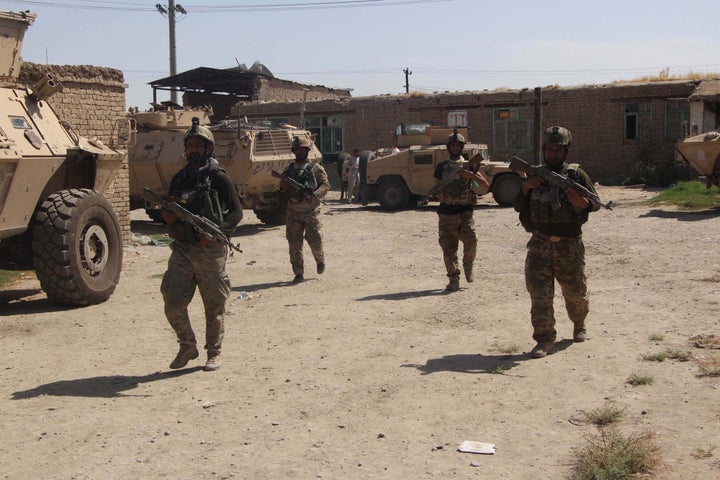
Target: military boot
x,y
186,353
454,284
214,361
579,332
469,275
542,349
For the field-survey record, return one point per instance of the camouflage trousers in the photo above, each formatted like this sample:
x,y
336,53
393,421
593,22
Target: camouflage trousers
x,y
451,230
190,267
549,259
305,225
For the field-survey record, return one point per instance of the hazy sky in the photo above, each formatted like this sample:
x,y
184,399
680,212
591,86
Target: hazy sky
x,y
364,45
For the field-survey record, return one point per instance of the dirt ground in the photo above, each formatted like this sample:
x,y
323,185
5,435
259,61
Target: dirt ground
x,y
371,371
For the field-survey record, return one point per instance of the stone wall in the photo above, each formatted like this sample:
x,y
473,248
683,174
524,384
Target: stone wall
x,y
92,99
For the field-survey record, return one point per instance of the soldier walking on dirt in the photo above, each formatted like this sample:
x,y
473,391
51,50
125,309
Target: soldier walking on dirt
x,y
303,213
555,250
455,213
204,189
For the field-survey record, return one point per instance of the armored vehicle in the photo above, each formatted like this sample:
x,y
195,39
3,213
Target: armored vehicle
x,y
399,180
53,215
247,153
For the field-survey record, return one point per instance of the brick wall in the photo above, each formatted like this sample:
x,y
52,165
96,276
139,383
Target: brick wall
x,y
595,114
93,98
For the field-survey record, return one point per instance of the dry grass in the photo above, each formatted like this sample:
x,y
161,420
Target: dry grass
x,y
709,364
664,76
610,455
605,415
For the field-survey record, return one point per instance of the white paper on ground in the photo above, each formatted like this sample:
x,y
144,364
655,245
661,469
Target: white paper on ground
x,y
468,446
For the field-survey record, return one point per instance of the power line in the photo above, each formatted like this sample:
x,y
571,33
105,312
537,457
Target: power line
x,y
200,8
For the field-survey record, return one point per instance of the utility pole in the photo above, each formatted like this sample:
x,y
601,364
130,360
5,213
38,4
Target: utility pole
x,y
170,12
407,80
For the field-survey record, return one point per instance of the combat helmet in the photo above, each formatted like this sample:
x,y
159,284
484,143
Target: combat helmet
x,y
197,130
301,141
456,137
558,136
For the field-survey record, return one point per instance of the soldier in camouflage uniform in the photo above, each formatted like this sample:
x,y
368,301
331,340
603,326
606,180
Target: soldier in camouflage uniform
x,y
204,189
556,250
303,218
455,213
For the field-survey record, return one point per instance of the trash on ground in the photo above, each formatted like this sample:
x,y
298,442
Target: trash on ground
x,y
468,446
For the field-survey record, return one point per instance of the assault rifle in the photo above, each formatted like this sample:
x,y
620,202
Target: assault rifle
x,y
300,189
556,182
202,225
453,175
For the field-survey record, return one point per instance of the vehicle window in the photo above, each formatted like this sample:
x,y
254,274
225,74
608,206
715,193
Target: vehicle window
x,y
423,158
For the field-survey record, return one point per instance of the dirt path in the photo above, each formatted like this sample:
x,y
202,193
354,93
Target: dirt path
x,y
371,370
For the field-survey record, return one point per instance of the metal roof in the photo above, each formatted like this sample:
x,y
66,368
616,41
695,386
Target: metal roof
x,y
211,80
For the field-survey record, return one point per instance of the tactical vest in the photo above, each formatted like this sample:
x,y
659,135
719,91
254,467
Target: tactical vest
x,y
305,176
541,200
194,192
457,191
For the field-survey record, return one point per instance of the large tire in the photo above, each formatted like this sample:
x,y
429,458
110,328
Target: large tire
x,y
505,188
393,194
277,215
77,247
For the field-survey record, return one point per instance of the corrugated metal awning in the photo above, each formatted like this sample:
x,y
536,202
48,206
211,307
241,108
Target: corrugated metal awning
x,y
211,80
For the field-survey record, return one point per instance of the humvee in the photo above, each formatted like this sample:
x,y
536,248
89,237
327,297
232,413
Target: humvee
x,y
248,153
53,215
399,180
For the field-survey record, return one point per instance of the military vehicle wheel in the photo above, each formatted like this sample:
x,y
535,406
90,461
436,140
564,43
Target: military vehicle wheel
x,y
505,188
77,247
393,194
276,215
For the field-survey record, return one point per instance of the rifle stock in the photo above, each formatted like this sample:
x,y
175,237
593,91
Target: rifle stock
x,y
556,181
202,225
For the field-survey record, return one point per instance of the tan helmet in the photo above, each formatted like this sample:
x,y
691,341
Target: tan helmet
x,y
455,137
197,130
301,141
558,136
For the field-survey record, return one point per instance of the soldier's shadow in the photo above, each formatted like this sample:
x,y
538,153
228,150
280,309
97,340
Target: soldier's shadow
x,y
103,387
404,295
478,363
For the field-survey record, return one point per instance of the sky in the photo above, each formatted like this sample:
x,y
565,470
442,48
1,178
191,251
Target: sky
x,y
365,45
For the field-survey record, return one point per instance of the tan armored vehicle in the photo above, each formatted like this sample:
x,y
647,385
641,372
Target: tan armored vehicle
x,y
53,216
399,180
247,153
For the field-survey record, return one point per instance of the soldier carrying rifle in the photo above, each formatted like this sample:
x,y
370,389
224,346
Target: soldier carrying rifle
x,y
556,251
204,189
457,183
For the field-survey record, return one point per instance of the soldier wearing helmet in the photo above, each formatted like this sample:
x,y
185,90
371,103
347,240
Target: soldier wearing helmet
x,y
455,214
204,189
308,186
556,250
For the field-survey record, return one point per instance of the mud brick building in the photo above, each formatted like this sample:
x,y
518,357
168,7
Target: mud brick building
x,y
615,127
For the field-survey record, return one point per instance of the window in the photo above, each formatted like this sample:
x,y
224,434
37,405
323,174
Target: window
x,y
631,121
328,133
638,117
423,158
